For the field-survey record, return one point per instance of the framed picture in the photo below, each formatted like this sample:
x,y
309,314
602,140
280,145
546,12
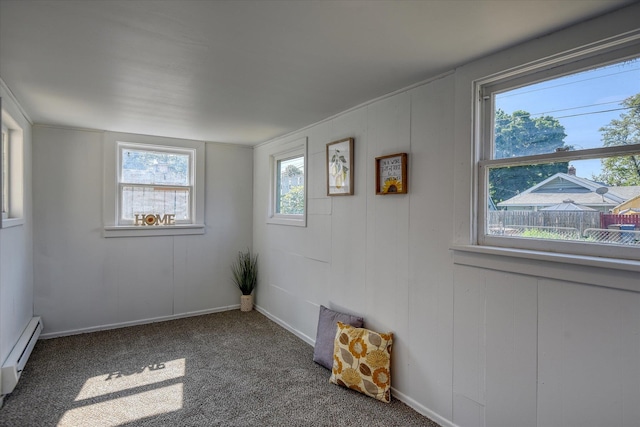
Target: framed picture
x,y
340,168
391,174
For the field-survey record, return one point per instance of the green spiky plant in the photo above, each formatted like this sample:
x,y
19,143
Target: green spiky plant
x,y
245,272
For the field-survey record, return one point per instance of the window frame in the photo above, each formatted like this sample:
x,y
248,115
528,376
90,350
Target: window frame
x,y
122,146
113,142
12,157
6,173
297,149
550,68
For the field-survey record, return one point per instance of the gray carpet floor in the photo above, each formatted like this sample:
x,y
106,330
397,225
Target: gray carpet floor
x,y
223,369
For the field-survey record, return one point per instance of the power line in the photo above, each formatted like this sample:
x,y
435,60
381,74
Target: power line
x,y
575,115
575,108
593,112
507,95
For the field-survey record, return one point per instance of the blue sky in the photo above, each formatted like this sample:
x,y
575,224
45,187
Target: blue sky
x,y
582,102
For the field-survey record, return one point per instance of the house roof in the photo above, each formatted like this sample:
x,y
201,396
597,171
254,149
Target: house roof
x,y
567,205
561,186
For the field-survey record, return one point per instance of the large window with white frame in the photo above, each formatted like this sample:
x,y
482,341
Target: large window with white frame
x,y
288,186
558,157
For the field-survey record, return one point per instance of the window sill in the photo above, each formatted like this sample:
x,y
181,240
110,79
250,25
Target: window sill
x,y
292,221
599,271
12,222
150,231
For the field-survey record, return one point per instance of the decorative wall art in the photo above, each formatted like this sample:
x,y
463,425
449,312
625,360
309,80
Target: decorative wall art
x,y
391,174
340,168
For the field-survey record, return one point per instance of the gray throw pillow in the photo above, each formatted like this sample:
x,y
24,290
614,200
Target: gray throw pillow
x,y
326,335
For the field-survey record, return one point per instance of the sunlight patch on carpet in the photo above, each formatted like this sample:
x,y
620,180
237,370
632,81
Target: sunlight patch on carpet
x,y
117,381
123,410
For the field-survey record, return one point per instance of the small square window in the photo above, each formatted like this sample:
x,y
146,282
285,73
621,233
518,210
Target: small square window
x,y
153,186
157,181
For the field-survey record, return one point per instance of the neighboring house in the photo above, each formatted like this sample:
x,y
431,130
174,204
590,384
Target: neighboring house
x,y
567,186
631,206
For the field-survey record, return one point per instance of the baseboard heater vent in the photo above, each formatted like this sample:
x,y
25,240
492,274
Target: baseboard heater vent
x,y
13,366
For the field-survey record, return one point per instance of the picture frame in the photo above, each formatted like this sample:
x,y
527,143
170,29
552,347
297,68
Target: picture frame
x,y
340,167
391,174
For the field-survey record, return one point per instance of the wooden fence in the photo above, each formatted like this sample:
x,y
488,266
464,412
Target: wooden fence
x,y
579,220
611,219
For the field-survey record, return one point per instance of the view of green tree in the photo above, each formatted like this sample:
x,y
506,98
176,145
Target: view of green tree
x,y
292,170
293,201
622,171
519,134
151,167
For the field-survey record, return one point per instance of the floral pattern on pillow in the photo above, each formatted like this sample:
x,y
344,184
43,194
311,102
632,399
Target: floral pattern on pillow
x,y
362,361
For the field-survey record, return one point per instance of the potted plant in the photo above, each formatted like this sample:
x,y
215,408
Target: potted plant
x,y
245,276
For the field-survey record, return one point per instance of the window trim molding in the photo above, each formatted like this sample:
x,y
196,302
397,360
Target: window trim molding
x,y
608,51
605,272
295,148
191,152
15,149
111,144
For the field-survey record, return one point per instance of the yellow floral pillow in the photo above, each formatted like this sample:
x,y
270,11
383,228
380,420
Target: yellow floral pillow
x,y
362,361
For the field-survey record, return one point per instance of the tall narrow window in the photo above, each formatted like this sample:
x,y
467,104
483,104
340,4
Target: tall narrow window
x,y
12,178
5,173
288,194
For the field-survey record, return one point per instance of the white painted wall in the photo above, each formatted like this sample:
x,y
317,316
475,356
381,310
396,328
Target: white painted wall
x,y
480,340
16,260
84,281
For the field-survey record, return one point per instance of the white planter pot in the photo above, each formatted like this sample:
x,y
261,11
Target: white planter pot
x,y
246,302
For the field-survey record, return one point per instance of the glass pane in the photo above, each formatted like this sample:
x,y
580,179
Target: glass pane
x,y
149,167
290,186
591,201
155,200
5,173
590,109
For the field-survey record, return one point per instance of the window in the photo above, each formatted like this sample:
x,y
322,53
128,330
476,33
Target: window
x,y
12,172
155,181
288,189
153,186
5,172
559,157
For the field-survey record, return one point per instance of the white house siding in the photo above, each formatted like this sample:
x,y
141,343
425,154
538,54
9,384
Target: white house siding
x,y
504,342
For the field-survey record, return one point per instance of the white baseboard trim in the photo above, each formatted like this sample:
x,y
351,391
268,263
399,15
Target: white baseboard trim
x,y
395,393
285,325
137,322
421,409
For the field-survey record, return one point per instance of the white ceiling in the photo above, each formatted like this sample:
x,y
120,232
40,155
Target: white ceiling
x,y
246,71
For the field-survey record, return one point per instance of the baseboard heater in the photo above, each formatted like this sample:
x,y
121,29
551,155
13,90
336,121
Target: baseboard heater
x,y
13,366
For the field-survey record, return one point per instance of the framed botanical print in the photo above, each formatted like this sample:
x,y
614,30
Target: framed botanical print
x,y
391,174
340,167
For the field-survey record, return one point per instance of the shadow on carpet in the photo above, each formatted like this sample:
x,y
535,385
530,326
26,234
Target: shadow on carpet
x,y
222,369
